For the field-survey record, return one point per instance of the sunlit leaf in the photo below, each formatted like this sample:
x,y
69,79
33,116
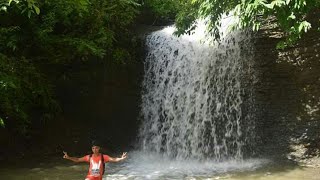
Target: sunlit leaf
x,y
36,9
278,3
3,8
305,26
259,2
2,122
292,16
256,26
270,6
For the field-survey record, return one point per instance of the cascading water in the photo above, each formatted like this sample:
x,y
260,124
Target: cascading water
x,y
197,100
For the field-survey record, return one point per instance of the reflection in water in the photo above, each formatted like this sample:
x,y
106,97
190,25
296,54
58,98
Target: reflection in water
x,y
140,166
45,172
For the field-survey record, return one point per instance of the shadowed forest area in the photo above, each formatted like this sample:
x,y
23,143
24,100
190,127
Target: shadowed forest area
x,y
71,71
71,68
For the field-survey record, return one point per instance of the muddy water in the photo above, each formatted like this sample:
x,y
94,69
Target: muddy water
x,y
149,166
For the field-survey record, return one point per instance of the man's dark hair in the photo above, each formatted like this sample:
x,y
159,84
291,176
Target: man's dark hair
x,y
96,143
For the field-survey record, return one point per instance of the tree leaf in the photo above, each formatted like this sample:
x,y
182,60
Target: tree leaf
x,y
2,122
278,3
281,45
36,9
305,26
269,6
287,2
29,14
256,26
292,16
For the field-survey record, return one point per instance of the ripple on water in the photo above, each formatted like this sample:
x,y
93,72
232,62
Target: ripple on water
x,y
152,166
142,166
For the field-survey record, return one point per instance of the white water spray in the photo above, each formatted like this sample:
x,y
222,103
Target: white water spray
x,y
195,95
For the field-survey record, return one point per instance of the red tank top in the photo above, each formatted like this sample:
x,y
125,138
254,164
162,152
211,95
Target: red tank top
x,y
96,166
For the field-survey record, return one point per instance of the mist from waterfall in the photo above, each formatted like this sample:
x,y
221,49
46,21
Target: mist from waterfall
x,y
197,99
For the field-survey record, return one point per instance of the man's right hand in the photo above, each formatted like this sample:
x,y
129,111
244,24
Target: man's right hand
x,y
66,156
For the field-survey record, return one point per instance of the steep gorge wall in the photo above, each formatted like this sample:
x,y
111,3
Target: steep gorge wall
x,y
288,92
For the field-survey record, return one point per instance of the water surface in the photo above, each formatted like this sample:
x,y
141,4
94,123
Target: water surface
x,y
140,166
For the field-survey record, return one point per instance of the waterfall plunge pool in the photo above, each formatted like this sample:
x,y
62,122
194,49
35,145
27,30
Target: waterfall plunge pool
x,y
141,166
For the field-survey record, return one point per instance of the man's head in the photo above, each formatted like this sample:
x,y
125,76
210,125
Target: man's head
x,y
95,146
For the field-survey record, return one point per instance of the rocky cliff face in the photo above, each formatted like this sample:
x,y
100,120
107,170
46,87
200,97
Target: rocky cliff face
x,y
288,93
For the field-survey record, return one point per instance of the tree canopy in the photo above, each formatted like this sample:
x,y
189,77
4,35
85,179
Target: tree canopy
x,y
291,15
37,35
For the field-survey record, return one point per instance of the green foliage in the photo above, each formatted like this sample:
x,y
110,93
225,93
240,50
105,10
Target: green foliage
x,y
38,35
27,7
23,90
290,15
2,122
71,29
164,9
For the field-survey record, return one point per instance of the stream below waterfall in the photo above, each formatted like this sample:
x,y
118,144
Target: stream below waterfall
x,y
141,166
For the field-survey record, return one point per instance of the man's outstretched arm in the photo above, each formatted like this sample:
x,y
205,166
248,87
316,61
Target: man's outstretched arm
x,y
74,159
124,156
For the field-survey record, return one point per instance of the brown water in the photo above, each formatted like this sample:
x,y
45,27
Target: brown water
x,y
77,172
140,167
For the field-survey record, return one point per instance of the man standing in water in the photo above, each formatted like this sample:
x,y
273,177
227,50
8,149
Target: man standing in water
x,y
96,160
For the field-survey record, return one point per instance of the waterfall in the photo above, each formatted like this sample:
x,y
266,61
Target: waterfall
x,y
197,97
